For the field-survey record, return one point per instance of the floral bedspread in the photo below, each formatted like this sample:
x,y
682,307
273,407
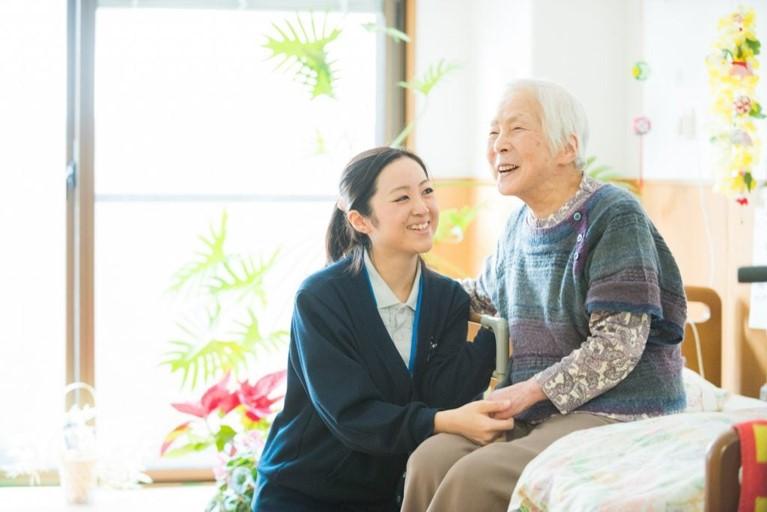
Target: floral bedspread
x,y
650,465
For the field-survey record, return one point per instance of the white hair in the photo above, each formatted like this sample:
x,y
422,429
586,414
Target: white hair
x,y
563,115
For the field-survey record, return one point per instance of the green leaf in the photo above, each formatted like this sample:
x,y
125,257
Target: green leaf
x,y
251,338
243,275
392,32
192,447
749,181
606,174
204,360
208,259
453,223
756,111
433,76
754,45
306,54
320,144
223,436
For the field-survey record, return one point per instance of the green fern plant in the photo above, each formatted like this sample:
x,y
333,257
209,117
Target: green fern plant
x,y
305,51
606,174
226,335
433,75
453,223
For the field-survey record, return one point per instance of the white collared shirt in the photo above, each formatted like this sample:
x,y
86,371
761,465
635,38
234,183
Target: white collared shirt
x,y
397,316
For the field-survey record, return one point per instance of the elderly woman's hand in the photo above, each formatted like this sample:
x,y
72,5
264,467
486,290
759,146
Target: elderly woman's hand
x,y
521,396
475,421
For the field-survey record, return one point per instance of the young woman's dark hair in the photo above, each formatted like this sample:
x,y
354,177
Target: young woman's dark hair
x,y
357,186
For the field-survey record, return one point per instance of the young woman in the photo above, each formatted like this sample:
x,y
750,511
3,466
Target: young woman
x,y
378,354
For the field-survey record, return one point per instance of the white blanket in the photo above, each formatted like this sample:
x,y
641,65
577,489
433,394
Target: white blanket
x,y
650,465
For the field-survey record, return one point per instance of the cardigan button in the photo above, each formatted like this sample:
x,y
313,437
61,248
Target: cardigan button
x,y
580,237
577,216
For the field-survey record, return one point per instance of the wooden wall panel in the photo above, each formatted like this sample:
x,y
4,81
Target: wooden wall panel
x,y
711,236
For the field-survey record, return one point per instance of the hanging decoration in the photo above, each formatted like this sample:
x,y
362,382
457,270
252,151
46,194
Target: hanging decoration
x,y
642,126
641,71
732,74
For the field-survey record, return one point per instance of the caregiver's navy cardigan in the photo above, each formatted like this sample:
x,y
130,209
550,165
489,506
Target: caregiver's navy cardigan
x,y
353,413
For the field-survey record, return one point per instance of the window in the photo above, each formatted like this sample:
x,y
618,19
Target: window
x,y
180,118
192,120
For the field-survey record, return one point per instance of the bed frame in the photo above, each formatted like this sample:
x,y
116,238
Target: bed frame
x,y
722,490
722,467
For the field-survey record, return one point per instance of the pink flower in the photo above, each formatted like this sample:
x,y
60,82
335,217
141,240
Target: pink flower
x,y
250,441
256,399
740,68
216,397
742,105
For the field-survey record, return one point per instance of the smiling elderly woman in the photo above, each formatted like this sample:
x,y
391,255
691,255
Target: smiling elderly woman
x,y
594,300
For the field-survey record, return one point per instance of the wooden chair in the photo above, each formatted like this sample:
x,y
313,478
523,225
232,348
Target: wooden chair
x,y
702,344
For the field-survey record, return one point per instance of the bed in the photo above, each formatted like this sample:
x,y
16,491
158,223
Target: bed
x,y
657,464
687,461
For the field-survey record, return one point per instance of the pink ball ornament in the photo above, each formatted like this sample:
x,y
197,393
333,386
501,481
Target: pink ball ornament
x,y
642,125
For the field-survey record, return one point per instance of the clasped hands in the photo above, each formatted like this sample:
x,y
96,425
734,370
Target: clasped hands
x,y
487,420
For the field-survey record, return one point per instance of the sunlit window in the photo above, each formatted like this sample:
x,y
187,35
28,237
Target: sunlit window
x,y
196,126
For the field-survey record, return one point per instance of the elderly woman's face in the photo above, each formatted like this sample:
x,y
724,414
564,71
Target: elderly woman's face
x,y
517,150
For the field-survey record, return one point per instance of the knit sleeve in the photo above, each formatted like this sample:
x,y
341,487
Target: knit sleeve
x,y
607,356
630,269
485,289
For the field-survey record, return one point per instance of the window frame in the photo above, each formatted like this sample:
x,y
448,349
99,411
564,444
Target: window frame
x,y
80,147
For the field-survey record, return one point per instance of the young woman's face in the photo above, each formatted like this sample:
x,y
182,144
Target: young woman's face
x,y
404,212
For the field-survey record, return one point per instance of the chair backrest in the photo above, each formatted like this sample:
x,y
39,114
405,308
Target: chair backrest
x,y
705,320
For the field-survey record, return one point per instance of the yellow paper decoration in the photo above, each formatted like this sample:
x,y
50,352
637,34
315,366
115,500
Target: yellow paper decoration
x,y
732,75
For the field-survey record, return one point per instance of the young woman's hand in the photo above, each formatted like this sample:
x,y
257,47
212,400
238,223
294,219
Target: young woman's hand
x,y
475,421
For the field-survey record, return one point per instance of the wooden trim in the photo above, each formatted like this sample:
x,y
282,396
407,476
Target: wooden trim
x,y
181,475
410,8
84,196
394,72
710,237
81,26
70,350
159,477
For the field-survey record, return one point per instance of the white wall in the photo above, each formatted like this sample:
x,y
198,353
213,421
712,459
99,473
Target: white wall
x,y
589,46
496,41
490,40
677,97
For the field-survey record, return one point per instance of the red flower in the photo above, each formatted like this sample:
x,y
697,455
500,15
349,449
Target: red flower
x,y
216,397
256,399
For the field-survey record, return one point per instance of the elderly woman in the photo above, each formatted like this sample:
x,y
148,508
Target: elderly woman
x,y
593,297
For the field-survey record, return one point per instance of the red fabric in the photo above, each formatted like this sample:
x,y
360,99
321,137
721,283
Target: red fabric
x,y
753,482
